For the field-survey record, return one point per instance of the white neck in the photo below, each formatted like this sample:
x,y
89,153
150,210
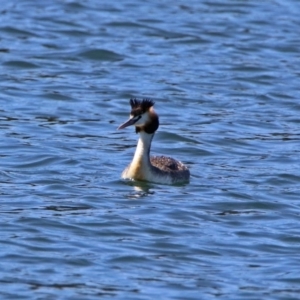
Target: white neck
x,y
142,152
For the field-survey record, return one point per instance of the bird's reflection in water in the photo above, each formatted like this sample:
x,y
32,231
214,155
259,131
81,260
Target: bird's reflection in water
x,y
140,190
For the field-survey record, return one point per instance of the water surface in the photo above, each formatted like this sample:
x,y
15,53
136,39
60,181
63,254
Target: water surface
x,y
225,78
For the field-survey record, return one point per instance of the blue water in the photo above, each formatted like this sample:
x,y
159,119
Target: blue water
x,y
225,79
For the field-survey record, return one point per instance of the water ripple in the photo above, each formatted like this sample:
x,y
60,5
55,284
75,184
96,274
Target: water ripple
x,y
224,78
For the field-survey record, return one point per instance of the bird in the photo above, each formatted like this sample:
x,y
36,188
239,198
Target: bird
x,y
143,167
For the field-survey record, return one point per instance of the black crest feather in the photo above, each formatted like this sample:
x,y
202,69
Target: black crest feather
x,y
140,106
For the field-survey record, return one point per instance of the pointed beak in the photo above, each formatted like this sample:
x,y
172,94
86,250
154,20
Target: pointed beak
x,y
127,123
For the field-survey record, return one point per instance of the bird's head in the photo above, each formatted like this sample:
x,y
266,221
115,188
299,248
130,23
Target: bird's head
x,y
142,116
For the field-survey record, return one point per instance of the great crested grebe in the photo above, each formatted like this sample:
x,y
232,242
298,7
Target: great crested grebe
x,y
159,169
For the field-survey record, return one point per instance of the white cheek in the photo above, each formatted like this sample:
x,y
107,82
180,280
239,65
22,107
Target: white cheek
x,y
142,120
